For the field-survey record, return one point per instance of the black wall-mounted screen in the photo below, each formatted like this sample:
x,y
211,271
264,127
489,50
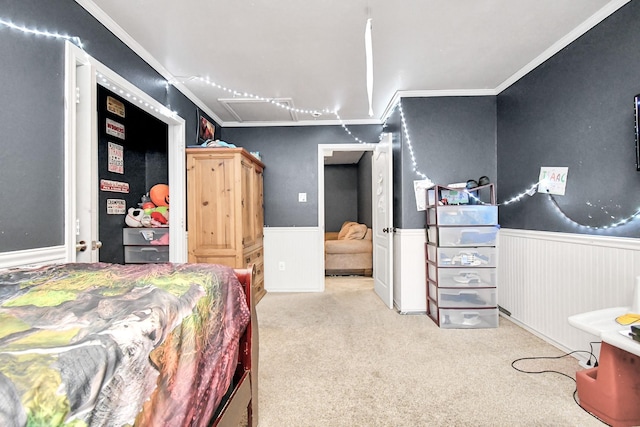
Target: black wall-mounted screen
x,y
636,102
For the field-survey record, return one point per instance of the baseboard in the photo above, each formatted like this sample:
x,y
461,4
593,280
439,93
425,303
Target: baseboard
x,y
33,257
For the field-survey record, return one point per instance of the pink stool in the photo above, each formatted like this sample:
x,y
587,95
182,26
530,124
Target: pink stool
x,y
611,391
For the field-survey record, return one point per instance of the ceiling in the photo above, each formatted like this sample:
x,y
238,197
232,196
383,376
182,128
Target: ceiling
x,y
309,56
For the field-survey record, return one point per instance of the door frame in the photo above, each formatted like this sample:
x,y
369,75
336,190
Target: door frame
x,y
325,150
106,77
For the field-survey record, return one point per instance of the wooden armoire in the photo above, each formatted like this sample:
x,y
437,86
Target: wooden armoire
x,y
225,213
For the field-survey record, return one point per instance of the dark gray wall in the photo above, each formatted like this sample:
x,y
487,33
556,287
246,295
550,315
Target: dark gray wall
x,y
340,195
290,155
453,140
575,110
348,193
32,156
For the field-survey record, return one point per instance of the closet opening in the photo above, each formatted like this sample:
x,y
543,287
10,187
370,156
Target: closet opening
x,y
380,201
138,157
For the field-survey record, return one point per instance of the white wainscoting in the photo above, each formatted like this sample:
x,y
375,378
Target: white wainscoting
x,y
33,257
409,271
299,251
545,277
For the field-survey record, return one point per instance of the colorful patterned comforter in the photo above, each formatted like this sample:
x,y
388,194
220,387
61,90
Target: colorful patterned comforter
x,y
117,345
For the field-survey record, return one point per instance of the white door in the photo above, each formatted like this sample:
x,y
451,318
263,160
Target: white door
x,y
86,160
383,219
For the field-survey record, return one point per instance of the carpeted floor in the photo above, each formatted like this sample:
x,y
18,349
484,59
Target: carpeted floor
x,y
341,358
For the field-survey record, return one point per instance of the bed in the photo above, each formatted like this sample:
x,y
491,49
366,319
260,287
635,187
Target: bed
x,y
120,345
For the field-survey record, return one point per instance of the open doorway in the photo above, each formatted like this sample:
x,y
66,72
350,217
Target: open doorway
x,y
347,212
381,179
83,75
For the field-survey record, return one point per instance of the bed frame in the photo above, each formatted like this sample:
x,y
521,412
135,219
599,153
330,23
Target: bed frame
x,y
243,400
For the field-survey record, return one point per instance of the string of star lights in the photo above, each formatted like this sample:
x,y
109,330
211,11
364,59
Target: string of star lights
x,y
273,101
405,130
34,31
616,224
314,113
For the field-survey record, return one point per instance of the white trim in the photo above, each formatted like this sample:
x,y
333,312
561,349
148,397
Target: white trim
x,y
33,257
409,272
561,347
296,248
397,97
581,29
335,122
575,238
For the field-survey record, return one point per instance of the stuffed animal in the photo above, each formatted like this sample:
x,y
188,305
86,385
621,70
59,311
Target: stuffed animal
x,y
134,217
159,194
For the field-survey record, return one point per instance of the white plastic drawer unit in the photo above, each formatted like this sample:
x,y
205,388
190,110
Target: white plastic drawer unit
x,y
146,254
462,277
466,318
463,215
143,236
462,257
463,236
463,297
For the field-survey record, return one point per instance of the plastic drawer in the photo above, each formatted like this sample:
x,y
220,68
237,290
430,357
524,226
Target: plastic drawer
x,y
142,236
146,254
451,318
463,215
463,298
462,257
463,277
463,236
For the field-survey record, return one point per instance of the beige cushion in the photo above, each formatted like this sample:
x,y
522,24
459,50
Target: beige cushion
x,y
356,232
345,229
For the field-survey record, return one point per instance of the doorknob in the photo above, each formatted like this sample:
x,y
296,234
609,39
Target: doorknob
x,y
96,244
81,246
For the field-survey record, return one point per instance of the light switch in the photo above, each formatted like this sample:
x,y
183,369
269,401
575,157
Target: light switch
x,y
302,197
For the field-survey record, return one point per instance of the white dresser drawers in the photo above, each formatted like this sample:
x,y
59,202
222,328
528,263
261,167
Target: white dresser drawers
x,y
463,215
463,236
461,257
145,245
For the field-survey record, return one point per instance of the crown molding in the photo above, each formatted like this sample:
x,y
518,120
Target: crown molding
x,y
431,94
303,123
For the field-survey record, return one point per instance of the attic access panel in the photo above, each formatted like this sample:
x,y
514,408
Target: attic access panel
x,y
256,110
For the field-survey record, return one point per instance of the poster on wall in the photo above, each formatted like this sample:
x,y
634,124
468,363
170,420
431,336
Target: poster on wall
x,y
115,129
116,158
116,207
420,189
553,180
206,129
114,186
114,106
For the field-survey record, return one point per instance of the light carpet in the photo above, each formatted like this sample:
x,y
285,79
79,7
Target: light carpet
x,y
341,358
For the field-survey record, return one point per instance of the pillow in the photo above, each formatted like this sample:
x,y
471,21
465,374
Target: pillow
x,y
356,232
345,229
